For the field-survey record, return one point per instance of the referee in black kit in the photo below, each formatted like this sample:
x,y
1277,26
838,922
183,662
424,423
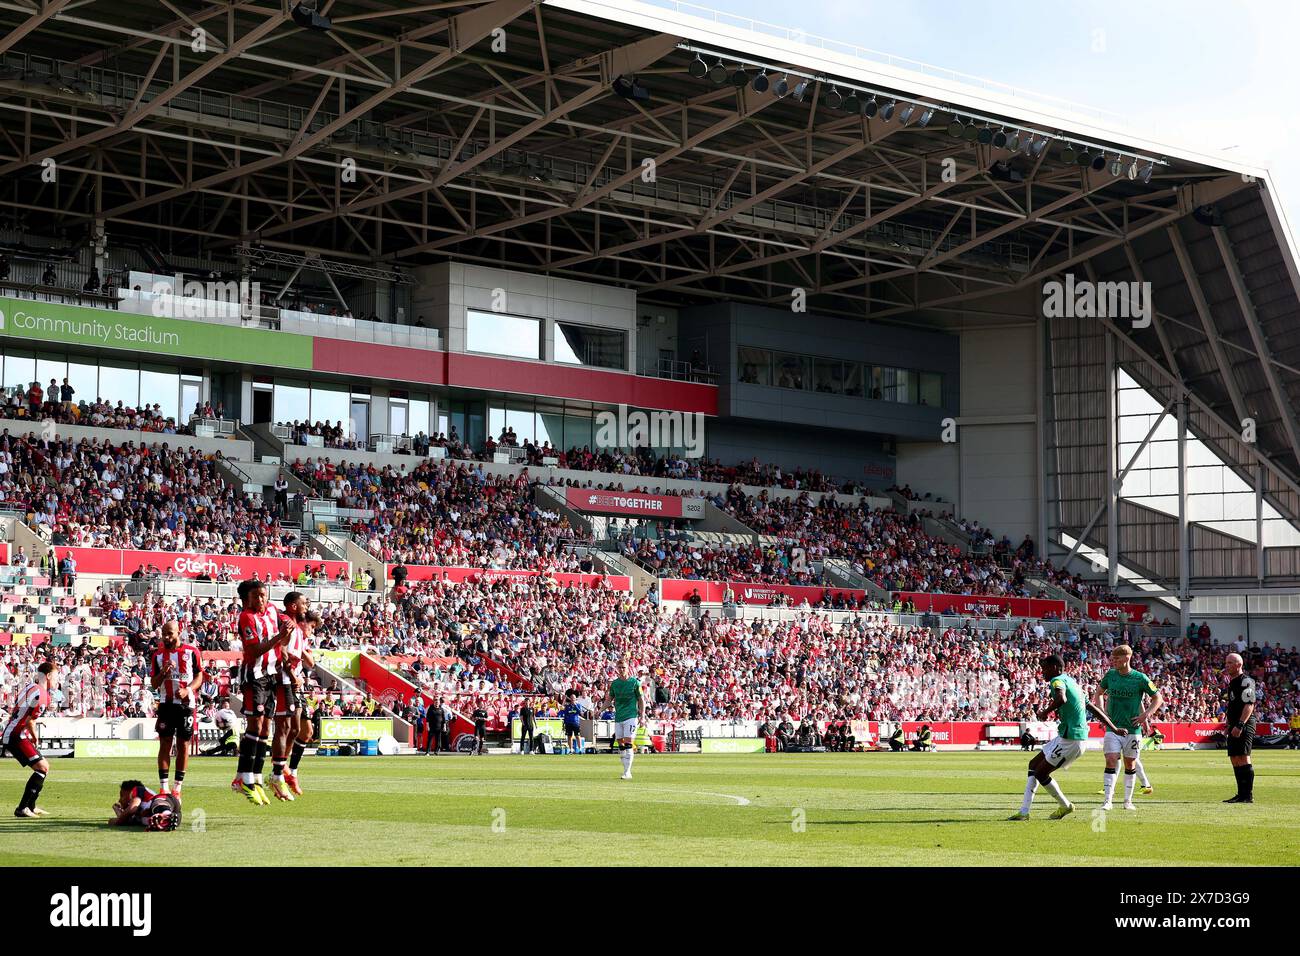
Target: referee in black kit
x,y
1241,727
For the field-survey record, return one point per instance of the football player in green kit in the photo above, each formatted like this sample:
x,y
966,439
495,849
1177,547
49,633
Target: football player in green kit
x,y
1071,708
1125,690
629,714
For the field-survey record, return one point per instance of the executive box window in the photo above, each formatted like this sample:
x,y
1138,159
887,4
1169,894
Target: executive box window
x,y
584,345
755,366
498,334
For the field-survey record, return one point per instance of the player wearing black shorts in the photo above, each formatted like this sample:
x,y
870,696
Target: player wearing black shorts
x,y
176,674
262,634
1240,695
480,717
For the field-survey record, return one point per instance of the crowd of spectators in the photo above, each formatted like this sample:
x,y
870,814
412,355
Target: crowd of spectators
x,y
57,404
332,436
89,493
446,513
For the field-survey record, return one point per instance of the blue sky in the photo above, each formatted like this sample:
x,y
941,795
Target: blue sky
x,y
1213,73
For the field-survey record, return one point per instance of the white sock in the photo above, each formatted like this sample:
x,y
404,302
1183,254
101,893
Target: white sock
x,y
1054,789
1141,773
1130,778
1108,784
247,778
626,756
1031,788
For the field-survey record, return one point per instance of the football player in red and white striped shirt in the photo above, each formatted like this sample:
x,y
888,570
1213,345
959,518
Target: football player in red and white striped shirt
x,y
286,693
176,674
302,739
263,634
21,740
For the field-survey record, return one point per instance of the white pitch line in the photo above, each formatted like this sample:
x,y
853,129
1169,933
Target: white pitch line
x,y
740,801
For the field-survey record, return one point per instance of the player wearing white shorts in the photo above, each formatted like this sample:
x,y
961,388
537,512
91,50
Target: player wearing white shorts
x,y
1071,708
629,714
1123,691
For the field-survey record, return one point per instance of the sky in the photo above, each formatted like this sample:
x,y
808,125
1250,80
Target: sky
x,y
1211,73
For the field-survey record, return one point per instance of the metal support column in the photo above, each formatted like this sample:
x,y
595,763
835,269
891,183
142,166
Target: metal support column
x,y
1112,466
1040,417
1184,543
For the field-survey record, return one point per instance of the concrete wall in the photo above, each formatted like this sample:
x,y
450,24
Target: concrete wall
x,y
930,467
997,434
720,330
446,291
234,448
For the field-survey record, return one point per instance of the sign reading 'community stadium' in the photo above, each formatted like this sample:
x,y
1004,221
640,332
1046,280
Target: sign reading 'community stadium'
x,y
128,331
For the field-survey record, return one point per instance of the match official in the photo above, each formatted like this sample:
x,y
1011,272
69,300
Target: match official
x,y
1240,695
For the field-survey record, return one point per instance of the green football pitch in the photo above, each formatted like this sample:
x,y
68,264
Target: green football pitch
x,y
823,809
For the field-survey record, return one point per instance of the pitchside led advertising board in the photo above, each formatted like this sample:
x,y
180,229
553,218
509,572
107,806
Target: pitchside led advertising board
x,y
46,322
355,728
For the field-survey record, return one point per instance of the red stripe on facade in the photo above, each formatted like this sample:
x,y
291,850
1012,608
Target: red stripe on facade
x,y
422,366
582,384
390,362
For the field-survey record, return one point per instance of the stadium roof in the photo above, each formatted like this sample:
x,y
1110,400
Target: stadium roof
x,y
534,157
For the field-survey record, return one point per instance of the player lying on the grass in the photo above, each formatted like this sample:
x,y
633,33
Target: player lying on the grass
x,y
138,805
1122,691
133,798
22,740
1071,708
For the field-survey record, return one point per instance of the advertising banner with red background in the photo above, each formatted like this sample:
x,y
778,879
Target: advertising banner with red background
x,y
968,733
982,604
633,503
1110,611
711,592
124,563
429,572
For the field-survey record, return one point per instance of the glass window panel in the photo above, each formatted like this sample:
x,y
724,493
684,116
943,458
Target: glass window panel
x,y
331,404
550,425
931,389
162,388
503,335
20,369
522,421
83,376
496,421
828,376
397,421
877,383
853,379
1164,481
419,416
51,367
585,345
443,424
577,431
292,401
791,370
755,366
119,381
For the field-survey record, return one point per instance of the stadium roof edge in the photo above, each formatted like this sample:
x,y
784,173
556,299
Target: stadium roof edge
x,y
651,17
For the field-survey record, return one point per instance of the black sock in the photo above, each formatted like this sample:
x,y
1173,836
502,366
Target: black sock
x,y
180,776
33,790
1246,781
277,766
296,755
247,751
259,759
162,779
